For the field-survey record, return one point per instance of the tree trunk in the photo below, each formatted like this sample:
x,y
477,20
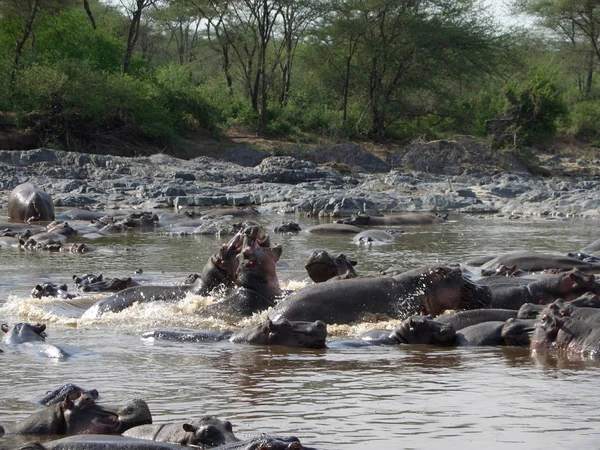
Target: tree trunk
x,y
26,33
86,6
132,36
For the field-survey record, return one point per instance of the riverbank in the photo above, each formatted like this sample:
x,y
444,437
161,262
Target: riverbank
x,y
454,176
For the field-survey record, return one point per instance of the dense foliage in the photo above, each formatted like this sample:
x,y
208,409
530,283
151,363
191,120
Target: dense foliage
x,y
81,75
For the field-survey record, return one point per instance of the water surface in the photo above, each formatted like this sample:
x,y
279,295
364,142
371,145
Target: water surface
x,y
375,397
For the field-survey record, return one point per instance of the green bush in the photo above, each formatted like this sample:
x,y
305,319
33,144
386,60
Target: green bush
x,y
534,105
584,119
70,36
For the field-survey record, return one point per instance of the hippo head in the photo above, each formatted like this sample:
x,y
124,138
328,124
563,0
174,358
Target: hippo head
x,y
134,413
86,279
424,330
322,267
517,332
530,311
83,416
546,328
23,332
575,283
285,332
209,431
48,290
256,270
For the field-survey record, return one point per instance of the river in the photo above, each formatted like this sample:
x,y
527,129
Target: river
x,y
344,398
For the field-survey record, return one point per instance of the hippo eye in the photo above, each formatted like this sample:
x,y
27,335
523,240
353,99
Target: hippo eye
x,y
544,318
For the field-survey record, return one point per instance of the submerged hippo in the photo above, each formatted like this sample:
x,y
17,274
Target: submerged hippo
x,y
322,267
28,203
207,431
409,218
463,319
555,331
377,237
537,262
429,290
414,330
51,290
70,390
82,416
545,289
517,332
27,338
279,332
481,334
102,442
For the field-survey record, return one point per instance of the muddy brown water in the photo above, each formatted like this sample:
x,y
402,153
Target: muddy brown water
x,y
357,398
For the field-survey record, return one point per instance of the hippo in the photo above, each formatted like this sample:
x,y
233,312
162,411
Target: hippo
x,y
51,290
70,390
429,290
503,271
25,337
22,333
112,285
463,319
28,203
481,334
573,336
517,332
102,442
45,241
537,262
287,227
417,329
409,218
374,237
592,248
82,415
61,227
575,312
88,278
207,431
329,228
219,271
587,300
258,284
279,332
530,311
545,289
322,267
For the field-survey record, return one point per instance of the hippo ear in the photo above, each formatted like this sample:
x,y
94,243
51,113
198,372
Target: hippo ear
x,y
67,403
189,428
100,277
353,262
5,328
40,327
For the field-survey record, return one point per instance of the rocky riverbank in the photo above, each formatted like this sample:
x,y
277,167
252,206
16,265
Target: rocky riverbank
x,y
337,182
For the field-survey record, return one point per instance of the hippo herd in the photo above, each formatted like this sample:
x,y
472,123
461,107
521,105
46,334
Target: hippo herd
x,y
74,412
526,299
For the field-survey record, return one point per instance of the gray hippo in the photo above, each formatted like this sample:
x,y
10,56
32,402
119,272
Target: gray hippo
x,y
113,285
207,431
279,332
429,290
421,330
102,442
25,337
219,271
82,416
51,290
481,334
463,319
517,332
409,218
555,331
28,203
544,289
70,390
334,228
537,262
322,267
258,284
376,237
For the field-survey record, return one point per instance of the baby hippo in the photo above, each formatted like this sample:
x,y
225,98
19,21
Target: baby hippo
x,y
205,432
